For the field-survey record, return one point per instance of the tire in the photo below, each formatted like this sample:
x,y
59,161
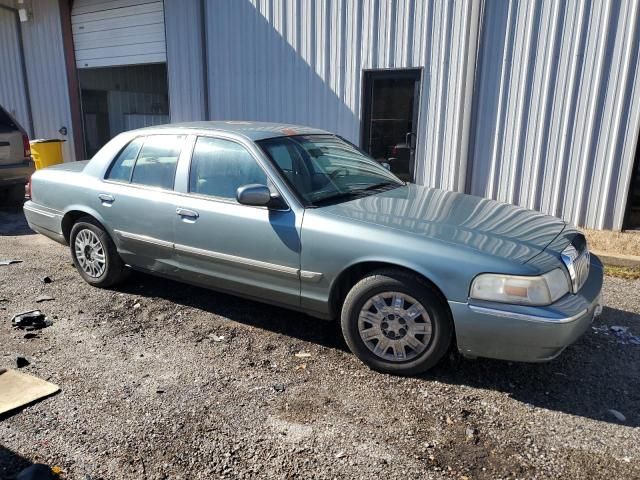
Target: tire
x,y
94,254
391,332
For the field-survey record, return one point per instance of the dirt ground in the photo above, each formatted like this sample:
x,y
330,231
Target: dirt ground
x,y
163,380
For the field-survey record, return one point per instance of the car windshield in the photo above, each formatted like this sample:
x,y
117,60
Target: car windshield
x,y
325,169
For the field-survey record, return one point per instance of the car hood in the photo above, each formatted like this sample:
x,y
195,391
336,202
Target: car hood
x,y
485,225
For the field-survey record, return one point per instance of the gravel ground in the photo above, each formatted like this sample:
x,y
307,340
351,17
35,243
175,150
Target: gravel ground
x,y
163,380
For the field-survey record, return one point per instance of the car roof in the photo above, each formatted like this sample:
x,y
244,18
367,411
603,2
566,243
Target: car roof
x,y
251,130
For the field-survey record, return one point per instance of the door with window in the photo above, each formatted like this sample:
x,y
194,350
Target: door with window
x,y
390,119
137,201
250,250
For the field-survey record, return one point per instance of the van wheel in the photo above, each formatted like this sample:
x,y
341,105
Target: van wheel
x,y
396,323
94,254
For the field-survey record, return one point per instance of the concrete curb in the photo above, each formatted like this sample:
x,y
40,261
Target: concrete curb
x,y
618,260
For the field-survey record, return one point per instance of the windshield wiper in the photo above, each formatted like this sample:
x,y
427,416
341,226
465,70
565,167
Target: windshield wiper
x,y
380,186
337,197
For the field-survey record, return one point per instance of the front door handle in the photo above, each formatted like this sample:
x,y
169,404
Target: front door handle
x,y
187,214
106,199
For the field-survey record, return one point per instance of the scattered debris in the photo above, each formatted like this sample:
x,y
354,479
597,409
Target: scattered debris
x,y
622,334
30,335
37,471
31,320
341,454
136,306
44,298
619,416
302,366
160,390
216,338
46,279
9,262
279,387
22,362
303,355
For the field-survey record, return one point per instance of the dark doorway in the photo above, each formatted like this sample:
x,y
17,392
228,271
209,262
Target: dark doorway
x,y
390,118
632,220
120,98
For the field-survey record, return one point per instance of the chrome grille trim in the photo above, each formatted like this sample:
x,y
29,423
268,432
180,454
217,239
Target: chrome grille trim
x,y
577,264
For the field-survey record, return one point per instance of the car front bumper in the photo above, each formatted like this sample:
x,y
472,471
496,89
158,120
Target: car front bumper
x,y
527,334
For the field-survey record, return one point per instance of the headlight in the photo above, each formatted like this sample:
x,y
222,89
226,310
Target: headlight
x,y
542,290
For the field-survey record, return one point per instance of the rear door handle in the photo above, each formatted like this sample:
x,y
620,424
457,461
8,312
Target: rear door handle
x,y
106,199
187,214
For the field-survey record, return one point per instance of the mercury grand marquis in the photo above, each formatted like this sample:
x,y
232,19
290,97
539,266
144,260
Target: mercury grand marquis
x,y
301,218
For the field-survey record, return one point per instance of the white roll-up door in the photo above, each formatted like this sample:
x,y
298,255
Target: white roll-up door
x,y
118,32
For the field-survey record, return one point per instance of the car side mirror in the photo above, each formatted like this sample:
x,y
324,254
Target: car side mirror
x,y
254,194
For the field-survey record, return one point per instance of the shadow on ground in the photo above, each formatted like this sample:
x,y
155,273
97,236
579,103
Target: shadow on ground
x,y
589,378
11,463
12,221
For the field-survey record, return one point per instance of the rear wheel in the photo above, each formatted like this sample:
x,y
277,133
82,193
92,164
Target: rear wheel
x,y
94,254
396,323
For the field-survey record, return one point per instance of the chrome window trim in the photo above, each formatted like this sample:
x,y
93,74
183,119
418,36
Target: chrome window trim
x,y
523,316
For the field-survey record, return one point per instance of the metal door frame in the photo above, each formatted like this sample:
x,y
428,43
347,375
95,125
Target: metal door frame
x,y
414,73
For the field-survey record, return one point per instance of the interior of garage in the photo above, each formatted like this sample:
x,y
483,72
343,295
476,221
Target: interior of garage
x,y
117,99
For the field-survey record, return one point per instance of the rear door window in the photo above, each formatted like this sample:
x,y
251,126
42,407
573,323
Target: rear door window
x,y
157,160
121,169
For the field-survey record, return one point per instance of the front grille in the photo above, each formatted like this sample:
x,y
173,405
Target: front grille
x,y
577,263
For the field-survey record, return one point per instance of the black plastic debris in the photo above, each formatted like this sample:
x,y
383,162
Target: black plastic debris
x,y
22,362
9,262
46,279
32,320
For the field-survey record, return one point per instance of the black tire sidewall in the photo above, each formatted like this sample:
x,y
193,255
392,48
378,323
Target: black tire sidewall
x,y
106,279
409,285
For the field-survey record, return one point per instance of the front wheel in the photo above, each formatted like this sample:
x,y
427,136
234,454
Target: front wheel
x,y
396,323
94,254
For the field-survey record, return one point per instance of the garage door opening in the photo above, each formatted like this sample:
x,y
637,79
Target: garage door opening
x,y
117,99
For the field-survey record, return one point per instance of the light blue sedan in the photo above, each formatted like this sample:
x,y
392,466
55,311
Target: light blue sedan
x,y
301,218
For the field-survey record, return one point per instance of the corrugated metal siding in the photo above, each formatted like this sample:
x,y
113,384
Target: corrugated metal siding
x,y
46,74
120,32
13,94
301,61
558,107
554,90
185,66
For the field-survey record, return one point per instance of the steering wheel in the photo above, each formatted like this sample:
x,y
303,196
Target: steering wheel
x,y
337,171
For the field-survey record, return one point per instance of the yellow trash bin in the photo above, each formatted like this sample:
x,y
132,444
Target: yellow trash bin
x,y
46,152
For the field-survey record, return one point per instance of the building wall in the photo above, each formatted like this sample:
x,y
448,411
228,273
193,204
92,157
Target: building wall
x,y
558,107
540,108
185,66
46,74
